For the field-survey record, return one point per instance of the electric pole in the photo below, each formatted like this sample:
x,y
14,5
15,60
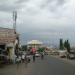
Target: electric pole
x,y
14,20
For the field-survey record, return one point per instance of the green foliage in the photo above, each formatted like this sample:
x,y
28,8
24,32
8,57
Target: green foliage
x,y
41,49
67,45
61,44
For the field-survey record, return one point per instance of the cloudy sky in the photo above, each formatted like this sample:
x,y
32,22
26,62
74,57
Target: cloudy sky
x,y
45,20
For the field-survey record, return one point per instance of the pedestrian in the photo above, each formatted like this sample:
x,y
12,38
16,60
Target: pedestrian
x,y
33,52
33,57
26,61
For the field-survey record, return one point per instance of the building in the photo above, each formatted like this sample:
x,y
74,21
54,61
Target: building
x,y
34,43
8,42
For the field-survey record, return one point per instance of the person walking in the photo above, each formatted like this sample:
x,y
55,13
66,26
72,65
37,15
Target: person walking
x,y
26,61
33,57
33,51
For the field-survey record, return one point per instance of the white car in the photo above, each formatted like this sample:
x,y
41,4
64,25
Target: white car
x,y
71,55
37,54
62,53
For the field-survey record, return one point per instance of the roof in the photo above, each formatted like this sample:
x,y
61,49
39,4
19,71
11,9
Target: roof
x,y
34,42
7,35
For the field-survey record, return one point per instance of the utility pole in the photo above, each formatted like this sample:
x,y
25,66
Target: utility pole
x,y
15,32
14,20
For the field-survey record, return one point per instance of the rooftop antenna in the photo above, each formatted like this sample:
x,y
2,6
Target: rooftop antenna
x,y
14,20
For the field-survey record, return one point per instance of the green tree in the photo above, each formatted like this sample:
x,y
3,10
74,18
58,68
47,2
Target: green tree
x,y
67,45
61,44
41,49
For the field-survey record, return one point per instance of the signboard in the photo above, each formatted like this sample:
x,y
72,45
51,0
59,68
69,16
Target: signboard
x,y
7,35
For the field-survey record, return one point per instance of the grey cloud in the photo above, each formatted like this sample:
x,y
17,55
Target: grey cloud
x,y
7,7
61,2
22,1
45,3
52,8
31,11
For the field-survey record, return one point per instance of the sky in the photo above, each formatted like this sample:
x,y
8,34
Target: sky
x,y
44,20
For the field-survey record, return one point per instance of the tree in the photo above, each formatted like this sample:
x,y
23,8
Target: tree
x,y
67,45
61,44
41,49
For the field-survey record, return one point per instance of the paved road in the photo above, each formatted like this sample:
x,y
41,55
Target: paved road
x,y
48,66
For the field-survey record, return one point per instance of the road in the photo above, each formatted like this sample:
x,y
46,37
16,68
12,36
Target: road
x,y
48,66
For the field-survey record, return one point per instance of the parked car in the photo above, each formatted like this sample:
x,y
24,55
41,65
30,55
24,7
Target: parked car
x,y
62,53
37,54
71,55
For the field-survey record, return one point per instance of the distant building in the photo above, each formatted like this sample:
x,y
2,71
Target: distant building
x,y
34,43
8,42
